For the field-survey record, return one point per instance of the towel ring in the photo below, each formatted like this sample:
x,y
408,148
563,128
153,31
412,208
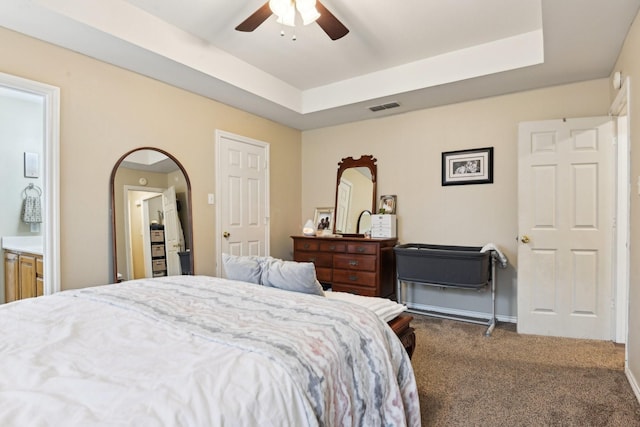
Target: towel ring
x,y
32,187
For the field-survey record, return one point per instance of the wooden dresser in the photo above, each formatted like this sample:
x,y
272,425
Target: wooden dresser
x,y
350,264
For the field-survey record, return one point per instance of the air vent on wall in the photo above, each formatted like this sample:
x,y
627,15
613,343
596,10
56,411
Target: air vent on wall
x,y
384,106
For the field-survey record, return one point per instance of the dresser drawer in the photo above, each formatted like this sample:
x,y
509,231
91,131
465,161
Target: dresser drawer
x,y
354,277
306,245
358,290
320,259
362,248
332,246
355,262
324,275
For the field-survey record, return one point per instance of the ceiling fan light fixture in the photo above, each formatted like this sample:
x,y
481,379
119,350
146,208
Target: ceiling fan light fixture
x,y
285,10
307,10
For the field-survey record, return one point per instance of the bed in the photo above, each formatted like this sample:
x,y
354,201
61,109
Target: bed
x,y
200,351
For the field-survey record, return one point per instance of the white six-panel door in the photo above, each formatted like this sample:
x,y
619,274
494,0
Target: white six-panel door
x,y
342,208
172,231
565,215
243,195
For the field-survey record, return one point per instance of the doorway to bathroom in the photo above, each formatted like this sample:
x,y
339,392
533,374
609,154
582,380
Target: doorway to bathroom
x,y
29,159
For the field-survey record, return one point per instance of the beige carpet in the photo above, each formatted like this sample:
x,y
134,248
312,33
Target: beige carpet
x,y
466,379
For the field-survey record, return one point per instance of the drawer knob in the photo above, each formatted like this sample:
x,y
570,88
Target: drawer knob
x,y
332,247
353,262
312,259
353,278
306,246
360,249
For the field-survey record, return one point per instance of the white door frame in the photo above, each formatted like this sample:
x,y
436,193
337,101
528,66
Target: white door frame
x,y
219,134
146,237
620,106
127,224
51,180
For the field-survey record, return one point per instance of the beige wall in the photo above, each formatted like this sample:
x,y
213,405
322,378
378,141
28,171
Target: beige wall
x,y
629,64
409,146
107,111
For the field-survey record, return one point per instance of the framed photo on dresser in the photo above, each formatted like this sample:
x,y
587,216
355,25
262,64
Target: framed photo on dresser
x,y
387,204
323,219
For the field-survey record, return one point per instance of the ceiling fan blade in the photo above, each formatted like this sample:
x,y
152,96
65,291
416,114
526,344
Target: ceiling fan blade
x,y
257,18
330,24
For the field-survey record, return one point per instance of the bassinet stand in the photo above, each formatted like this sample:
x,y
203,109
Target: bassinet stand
x,y
490,323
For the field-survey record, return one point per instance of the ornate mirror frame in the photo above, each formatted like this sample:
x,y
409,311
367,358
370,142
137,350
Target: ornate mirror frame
x,y
114,232
365,161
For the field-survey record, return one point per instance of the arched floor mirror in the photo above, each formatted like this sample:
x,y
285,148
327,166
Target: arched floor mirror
x,y
151,216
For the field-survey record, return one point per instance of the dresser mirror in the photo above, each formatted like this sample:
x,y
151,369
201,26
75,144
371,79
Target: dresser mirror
x,y
355,195
151,216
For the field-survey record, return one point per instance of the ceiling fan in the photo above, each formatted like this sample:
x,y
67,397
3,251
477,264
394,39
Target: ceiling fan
x,y
286,9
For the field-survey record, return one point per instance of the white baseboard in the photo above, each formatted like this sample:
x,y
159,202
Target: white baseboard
x,y
427,309
633,382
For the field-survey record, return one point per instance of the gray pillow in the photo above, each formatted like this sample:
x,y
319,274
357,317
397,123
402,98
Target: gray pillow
x,y
291,276
243,268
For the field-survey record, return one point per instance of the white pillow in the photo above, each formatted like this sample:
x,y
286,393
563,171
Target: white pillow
x,y
291,276
386,309
243,268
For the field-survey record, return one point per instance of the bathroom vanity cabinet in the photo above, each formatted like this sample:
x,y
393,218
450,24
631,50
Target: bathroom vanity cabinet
x,y
23,275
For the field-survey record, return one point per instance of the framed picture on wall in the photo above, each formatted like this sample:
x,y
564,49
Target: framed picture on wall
x,y
467,166
323,219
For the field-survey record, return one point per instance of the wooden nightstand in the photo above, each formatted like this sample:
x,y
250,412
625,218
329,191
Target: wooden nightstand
x,y
401,326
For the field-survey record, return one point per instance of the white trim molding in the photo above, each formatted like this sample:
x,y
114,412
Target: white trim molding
x,y
436,311
633,382
619,110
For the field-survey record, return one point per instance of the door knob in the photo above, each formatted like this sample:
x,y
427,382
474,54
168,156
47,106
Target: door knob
x,y
525,239
226,234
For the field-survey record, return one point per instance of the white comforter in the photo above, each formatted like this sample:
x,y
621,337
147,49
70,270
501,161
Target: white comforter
x,y
200,351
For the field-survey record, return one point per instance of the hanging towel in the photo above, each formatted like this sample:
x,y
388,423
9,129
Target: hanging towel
x,y
31,209
501,257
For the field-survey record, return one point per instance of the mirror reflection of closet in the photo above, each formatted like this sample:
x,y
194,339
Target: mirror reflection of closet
x,y
151,199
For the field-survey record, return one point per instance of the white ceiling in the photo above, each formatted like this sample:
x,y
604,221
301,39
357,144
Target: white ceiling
x,y
419,53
